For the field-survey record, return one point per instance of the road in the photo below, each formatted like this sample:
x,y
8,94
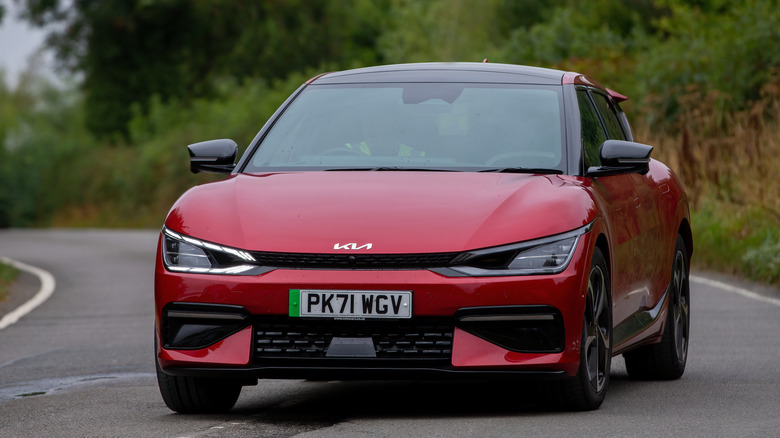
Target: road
x,y
81,365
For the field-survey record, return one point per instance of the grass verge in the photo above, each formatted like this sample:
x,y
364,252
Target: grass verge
x,y
739,240
8,275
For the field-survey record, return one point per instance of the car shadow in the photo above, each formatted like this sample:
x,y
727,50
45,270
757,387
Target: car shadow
x,y
319,404
299,406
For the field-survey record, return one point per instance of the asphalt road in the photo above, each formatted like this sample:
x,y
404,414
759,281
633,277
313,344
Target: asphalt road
x,y
81,365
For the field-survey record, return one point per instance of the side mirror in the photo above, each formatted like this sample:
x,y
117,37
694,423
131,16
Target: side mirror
x,y
215,156
620,156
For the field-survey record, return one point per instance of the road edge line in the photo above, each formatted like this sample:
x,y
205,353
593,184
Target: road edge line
x,y
47,289
734,289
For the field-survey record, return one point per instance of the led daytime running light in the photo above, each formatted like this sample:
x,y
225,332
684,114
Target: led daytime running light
x,y
241,254
174,262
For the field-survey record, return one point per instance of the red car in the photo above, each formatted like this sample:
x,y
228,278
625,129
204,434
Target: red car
x,y
427,221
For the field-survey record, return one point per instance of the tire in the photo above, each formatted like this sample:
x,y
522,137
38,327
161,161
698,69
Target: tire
x,y
586,390
666,360
197,395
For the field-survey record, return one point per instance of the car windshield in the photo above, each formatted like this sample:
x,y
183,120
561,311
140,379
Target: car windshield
x,y
417,126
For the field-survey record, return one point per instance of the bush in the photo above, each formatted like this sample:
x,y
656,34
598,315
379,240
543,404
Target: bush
x,y
763,262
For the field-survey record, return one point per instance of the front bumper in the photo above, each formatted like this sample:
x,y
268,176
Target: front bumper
x,y
447,336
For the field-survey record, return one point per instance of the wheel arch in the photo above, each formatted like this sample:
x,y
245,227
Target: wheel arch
x,y
603,245
687,234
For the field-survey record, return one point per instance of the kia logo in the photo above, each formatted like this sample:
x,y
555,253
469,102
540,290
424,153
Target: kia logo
x,y
352,246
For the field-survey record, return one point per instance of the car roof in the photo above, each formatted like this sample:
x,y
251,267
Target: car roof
x,y
474,72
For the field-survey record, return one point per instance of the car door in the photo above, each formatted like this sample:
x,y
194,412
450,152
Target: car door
x,y
655,264
650,267
620,202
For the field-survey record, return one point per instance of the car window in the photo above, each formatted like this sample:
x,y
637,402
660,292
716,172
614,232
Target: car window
x,y
419,125
592,133
609,116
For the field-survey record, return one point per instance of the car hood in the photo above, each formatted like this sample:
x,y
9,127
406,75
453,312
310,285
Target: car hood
x,y
394,212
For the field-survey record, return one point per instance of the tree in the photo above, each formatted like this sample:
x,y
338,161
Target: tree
x,y
131,50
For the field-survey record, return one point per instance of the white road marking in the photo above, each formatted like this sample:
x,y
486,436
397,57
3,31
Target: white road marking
x,y
734,289
47,288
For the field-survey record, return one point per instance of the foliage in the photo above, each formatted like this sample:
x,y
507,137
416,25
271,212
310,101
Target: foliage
x,y
155,171
131,50
763,261
44,143
441,30
738,241
722,47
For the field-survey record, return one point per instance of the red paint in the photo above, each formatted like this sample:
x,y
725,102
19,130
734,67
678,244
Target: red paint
x,y
617,96
397,212
233,350
470,352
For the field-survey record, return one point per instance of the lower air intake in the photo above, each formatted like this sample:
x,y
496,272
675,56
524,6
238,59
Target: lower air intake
x,y
418,339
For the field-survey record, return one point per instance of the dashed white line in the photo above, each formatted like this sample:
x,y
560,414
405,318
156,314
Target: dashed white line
x,y
43,294
735,289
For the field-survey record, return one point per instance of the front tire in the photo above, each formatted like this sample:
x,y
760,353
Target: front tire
x,y
586,390
666,360
197,395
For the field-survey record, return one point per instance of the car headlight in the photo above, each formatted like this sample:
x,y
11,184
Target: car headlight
x,y
549,255
182,253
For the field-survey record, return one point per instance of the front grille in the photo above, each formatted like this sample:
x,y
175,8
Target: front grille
x,y
418,339
353,261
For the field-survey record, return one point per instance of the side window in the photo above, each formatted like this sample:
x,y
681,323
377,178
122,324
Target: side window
x,y
609,116
592,132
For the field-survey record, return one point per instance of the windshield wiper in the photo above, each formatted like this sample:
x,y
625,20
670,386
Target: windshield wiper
x,y
541,170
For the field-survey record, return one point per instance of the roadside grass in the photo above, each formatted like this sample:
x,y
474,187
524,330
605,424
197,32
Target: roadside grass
x,y
8,275
740,241
729,164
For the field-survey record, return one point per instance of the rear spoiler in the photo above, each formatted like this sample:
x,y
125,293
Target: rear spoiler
x,y
617,96
580,79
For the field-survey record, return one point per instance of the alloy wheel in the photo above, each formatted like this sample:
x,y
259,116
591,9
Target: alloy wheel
x,y
597,326
680,306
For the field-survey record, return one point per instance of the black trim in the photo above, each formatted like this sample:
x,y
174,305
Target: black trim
x,y
523,329
639,321
293,341
194,326
362,373
352,261
215,156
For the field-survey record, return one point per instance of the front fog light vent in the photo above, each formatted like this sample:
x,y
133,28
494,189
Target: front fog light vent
x,y
191,327
525,329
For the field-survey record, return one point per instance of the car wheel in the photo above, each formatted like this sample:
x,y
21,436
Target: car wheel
x,y
666,360
197,395
587,389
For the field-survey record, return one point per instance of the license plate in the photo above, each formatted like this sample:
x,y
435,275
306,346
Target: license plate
x,y
350,304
